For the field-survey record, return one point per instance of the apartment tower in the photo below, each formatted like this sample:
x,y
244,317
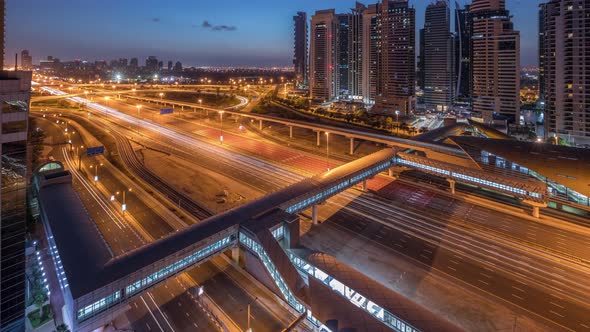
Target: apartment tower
x,y
495,61
396,88
564,60
323,60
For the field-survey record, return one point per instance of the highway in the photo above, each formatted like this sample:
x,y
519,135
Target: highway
x,y
481,258
479,250
153,310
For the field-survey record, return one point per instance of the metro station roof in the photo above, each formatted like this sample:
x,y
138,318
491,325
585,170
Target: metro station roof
x,y
440,134
565,165
404,308
489,131
81,248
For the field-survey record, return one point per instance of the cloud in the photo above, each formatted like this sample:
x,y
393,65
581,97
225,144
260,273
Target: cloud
x,y
156,20
212,27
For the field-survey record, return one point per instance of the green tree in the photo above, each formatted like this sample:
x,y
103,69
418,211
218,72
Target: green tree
x,y
61,328
39,301
389,122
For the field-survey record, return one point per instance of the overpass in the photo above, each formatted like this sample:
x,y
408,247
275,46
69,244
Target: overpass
x,y
453,159
37,99
352,134
97,286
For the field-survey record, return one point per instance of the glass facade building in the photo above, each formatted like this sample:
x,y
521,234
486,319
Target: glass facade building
x,y
14,107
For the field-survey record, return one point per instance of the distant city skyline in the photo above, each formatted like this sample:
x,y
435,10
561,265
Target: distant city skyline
x,y
195,33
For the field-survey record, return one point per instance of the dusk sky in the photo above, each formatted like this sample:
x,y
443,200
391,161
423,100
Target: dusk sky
x,y
195,32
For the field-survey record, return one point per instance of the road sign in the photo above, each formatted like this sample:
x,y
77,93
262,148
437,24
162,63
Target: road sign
x,y
166,111
95,151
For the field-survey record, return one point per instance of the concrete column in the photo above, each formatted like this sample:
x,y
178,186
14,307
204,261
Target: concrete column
x,y
182,108
536,207
235,254
536,212
260,125
364,185
291,132
452,184
318,138
351,146
390,172
314,214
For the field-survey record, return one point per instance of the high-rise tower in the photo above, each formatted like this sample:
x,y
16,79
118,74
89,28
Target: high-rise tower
x,y
495,61
564,58
300,48
323,60
438,62
396,89
462,54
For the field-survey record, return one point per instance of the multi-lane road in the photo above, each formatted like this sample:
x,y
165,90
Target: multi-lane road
x,y
483,249
172,306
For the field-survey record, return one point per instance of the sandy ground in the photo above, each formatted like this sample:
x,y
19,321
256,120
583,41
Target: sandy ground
x,y
201,184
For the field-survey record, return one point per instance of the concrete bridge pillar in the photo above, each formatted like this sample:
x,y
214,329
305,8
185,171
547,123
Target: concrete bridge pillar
x,y
536,212
314,214
364,185
317,138
235,254
260,125
390,172
452,184
351,146
291,132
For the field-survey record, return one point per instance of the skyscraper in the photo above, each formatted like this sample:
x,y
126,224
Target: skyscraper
x,y
564,59
2,32
371,47
178,67
151,63
396,89
26,60
495,61
438,62
322,76
421,60
356,51
463,75
134,63
342,53
300,57
15,87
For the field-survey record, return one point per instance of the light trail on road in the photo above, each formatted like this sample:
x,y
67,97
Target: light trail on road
x,y
491,254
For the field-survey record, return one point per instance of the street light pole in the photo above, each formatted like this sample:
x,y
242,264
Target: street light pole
x,y
138,117
221,127
249,329
328,151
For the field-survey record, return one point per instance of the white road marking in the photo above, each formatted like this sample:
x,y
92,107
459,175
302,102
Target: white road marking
x,y
555,313
557,305
518,289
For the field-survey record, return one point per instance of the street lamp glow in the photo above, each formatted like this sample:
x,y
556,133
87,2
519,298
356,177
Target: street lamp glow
x,y
221,127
